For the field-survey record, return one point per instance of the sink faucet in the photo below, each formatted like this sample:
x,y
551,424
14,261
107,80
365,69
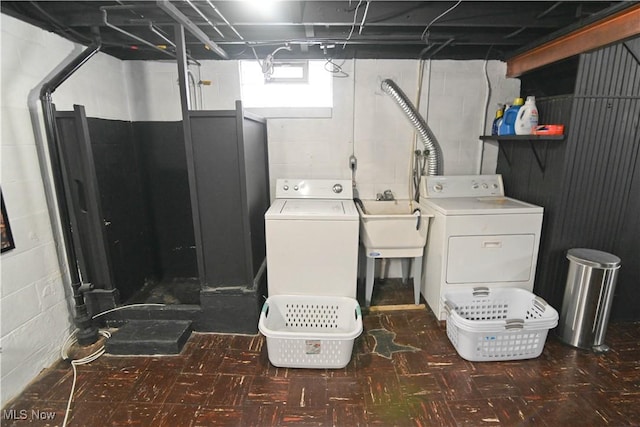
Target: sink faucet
x,y
387,195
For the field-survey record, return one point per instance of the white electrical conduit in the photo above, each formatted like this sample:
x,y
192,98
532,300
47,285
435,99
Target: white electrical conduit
x,y
192,83
353,25
203,16
215,9
366,10
484,121
353,130
133,36
181,19
425,32
155,31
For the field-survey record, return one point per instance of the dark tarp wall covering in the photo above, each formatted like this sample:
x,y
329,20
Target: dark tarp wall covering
x,y
129,185
123,204
589,184
257,184
142,176
231,169
164,167
139,196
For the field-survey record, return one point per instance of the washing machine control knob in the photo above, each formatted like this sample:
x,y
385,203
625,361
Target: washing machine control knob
x,y
495,186
285,188
438,188
337,188
295,187
475,186
485,186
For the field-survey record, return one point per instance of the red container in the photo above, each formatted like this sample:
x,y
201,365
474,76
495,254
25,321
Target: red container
x,y
549,130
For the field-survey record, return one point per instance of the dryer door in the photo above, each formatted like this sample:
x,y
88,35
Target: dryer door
x,y
490,258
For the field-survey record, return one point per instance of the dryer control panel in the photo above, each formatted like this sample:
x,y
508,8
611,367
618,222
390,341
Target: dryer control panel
x,y
336,189
440,186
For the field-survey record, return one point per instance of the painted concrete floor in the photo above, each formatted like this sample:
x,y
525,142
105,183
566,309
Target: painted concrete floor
x,y
227,380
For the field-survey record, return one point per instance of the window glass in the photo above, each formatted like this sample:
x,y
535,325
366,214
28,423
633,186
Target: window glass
x,y
287,88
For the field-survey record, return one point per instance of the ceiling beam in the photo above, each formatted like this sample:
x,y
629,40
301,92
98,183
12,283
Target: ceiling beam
x,y
612,29
337,13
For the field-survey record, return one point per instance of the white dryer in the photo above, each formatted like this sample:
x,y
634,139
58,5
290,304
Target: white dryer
x,y
312,239
478,237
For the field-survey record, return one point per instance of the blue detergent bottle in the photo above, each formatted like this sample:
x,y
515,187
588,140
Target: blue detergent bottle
x,y
498,120
507,127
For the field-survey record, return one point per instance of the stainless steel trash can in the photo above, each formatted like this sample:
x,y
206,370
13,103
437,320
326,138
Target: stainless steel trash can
x,y
587,298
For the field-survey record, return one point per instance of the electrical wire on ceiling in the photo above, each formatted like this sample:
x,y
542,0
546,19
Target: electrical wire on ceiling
x,y
426,30
335,69
387,16
239,54
364,17
330,65
268,63
353,25
75,23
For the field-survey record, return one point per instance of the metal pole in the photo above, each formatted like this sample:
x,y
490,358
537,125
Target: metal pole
x,y
188,144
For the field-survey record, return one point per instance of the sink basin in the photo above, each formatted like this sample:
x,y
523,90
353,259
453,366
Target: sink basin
x,y
393,229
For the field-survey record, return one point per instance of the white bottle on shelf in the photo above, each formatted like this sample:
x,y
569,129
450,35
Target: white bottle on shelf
x,y
527,119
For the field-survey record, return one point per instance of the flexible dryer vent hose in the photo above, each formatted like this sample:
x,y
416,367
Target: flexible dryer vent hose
x,y
434,161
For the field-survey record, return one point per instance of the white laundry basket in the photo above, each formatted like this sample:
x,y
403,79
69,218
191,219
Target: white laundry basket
x,y
486,324
305,331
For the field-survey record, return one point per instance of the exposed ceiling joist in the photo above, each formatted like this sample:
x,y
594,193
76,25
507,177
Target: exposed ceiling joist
x,y
172,11
618,27
394,29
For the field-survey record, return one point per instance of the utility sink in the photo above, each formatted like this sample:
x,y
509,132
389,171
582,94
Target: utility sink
x,y
393,229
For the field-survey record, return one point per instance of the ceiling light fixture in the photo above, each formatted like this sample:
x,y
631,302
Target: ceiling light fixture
x,y
264,7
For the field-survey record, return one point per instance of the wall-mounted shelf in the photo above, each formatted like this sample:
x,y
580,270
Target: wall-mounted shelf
x,y
530,138
522,137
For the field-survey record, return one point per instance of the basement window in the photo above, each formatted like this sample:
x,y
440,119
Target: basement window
x,y
289,72
294,89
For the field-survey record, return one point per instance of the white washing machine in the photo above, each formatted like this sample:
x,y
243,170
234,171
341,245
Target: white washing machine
x,y
478,237
312,238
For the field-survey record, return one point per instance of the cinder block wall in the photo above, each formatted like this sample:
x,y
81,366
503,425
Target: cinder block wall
x,y
364,120
34,293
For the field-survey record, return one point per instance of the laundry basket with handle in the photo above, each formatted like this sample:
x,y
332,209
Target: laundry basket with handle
x,y
306,331
487,324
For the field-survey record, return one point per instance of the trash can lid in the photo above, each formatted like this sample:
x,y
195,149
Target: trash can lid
x,y
593,258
